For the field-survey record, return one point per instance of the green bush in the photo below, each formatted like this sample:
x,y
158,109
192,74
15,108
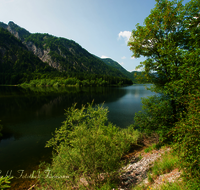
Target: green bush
x,y
186,134
87,150
155,117
4,181
71,81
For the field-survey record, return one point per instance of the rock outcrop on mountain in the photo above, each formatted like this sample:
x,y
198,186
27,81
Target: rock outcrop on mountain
x,y
60,53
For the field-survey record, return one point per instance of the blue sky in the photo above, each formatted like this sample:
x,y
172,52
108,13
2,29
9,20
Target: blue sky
x,y
102,27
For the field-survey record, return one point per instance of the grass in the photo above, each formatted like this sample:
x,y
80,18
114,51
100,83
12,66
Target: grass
x,y
165,164
180,185
154,146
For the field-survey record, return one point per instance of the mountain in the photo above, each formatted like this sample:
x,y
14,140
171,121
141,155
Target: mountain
x,y
16,61
135,76
116,65
17,31
60,53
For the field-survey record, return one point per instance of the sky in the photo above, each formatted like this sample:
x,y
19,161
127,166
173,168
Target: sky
x,y
102,27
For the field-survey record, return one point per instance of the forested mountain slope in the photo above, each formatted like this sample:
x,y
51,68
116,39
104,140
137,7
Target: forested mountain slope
x,y
60,53
116,65
17,63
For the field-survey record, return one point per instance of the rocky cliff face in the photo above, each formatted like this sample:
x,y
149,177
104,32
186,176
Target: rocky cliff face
x,y
42,54
13,32
61,53
17,31
21,34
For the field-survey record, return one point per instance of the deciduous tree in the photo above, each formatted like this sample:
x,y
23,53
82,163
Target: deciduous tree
x,y
169,39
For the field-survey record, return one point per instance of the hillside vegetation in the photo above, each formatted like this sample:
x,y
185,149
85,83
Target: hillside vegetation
x,y
17,64
172,51
88,150
169,39
26,56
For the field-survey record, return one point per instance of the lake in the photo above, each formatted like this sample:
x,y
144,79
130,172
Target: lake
x,y
30,115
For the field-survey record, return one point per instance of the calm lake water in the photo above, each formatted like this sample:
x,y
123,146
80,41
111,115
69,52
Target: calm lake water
x,y
29,116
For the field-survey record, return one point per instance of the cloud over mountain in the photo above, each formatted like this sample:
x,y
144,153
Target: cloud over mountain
x,y
125,34
104,57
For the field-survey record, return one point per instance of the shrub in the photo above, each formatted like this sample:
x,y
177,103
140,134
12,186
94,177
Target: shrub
x,y
186,134
150,148
70,81
155,117
4,181
88,149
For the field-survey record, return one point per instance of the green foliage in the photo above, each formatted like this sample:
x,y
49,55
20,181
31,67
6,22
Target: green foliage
x,y
4,181
156,116
74,81
165,164
169,39
186,134
150,179
171,49
71,56
117,66
88,150
21,31
180,185
150,148
177,185
17,64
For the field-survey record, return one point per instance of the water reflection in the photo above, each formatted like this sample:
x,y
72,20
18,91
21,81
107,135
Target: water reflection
x,y
29,116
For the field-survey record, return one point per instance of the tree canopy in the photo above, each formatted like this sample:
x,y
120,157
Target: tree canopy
x,y
169,40
170,35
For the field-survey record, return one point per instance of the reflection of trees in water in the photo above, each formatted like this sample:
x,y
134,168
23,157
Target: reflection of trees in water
x,y
81,97
16,102
21,106
29,116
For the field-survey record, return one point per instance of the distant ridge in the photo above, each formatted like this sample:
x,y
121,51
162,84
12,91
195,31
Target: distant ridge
x,y
116,65
60,53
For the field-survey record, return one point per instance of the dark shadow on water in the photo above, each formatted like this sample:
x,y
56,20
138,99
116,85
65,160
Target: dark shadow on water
x,y
30,115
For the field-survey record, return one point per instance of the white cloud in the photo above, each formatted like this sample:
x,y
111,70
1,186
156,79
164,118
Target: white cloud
x,y
138,69
123,57
125,34
104,57
121,63
134,70
133,57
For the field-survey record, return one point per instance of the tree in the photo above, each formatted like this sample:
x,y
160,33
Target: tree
x,y
169,41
